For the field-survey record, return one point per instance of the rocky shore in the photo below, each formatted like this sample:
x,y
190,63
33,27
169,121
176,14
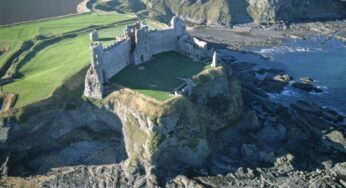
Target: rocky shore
x,y
229,134
253,36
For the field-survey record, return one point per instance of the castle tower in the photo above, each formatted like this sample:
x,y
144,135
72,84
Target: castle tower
x,y
95,79
215,62
178,24
142,49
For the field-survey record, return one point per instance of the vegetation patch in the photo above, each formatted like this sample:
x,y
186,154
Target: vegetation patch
x,y
13,36
51,58
160,76
208,75
155,141
62,97
44,54
136,139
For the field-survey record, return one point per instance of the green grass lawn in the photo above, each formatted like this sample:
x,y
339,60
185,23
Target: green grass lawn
x,y
52,65
160,75
48,69
11,37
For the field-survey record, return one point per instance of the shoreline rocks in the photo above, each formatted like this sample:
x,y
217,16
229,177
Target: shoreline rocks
x,y
306,84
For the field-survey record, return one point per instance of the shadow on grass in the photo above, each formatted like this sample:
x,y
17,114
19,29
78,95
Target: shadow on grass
x,y
89,142
36,49
26,45
107,39
161,74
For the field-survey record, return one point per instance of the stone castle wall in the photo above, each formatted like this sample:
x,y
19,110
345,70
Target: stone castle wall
x,y
163,41
137,46
116,58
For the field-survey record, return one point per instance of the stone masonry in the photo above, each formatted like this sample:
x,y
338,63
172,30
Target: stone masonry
x,y
137,46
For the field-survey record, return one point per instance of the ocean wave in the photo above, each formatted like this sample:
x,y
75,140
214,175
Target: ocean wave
x,y
322,87
286,49
287,92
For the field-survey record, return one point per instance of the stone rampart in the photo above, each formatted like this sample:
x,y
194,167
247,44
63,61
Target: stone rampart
x,y
116,58
163,41
137,46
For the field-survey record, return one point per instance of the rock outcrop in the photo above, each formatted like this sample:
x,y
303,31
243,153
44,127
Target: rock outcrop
x,y
126,139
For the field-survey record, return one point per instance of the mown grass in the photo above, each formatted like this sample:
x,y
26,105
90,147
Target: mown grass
x,y
160,75
11,37
52,65
49,68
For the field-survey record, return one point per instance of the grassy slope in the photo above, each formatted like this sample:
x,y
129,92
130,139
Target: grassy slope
x,y
160,75
51,66
11,37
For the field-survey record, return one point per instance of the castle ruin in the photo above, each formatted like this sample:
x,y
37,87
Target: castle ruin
x,y
136,47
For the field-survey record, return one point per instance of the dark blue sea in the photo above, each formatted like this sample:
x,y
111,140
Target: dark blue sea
x,y
321,58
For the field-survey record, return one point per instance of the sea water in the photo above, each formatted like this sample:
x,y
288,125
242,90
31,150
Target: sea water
x,y
14,11
321,58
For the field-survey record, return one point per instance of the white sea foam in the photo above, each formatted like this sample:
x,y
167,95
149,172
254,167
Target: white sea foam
x,y
285,49
287,92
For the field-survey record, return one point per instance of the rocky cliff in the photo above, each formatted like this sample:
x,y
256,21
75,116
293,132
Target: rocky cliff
x,y
228,12
135,138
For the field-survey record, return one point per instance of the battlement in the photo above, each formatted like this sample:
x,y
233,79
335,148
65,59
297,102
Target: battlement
x,y
114,45
137,46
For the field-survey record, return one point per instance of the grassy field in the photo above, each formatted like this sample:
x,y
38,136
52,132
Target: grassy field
x,y
11,37
160,75
50,66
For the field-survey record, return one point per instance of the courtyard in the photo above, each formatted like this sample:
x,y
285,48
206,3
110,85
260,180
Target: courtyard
x,y
160,76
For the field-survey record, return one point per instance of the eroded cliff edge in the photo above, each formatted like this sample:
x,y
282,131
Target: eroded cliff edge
x,y
137,136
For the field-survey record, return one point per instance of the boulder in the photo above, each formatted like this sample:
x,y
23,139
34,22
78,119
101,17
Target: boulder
x,y
283,78
306,80
336,140
308,87
271,71
270,84
325,113
307,107
332,115
272,134
242,66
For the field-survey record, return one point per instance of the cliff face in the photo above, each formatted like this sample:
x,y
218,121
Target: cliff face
x,y
157,135
226,12
131,136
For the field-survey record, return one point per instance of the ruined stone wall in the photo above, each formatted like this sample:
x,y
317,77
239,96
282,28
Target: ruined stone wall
x,y
95,76
193,48
163,41
141,52
116,58
138,46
